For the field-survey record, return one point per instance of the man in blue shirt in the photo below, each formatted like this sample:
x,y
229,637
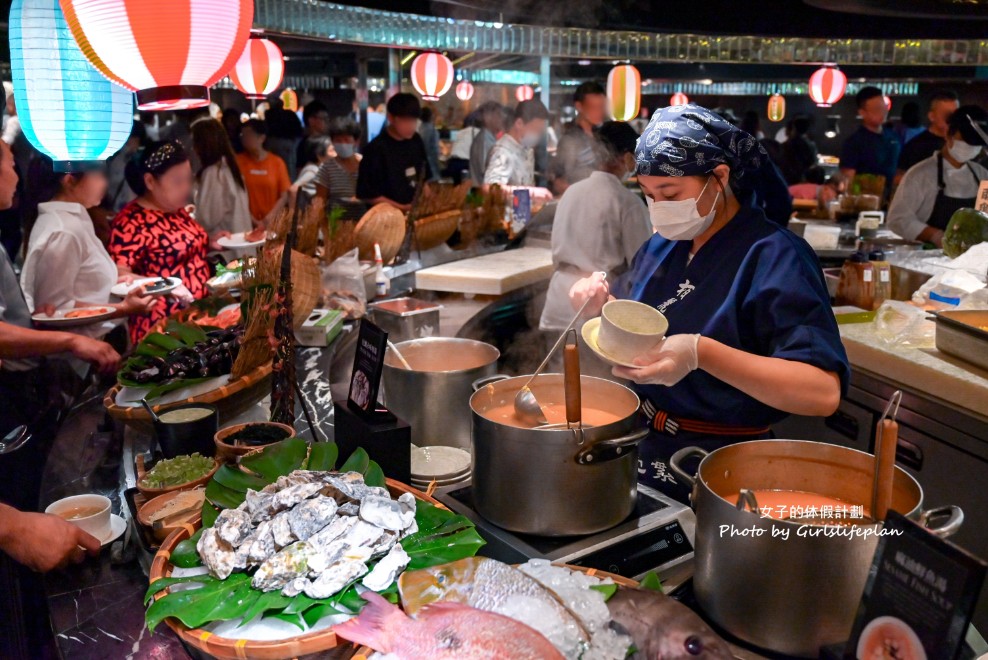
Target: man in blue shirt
x,y
871,149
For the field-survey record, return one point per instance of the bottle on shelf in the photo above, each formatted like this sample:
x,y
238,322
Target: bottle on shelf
x,y
381,282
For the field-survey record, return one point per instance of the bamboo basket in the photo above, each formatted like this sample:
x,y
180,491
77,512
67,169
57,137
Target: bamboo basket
x,y
434,230
232,399
225,648
383,224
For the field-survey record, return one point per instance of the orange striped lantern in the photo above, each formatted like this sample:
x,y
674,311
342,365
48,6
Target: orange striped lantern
x,y
260,68
464,90
776,107
289,100
432,75
827,86
170,51
524,93
624,92
679,99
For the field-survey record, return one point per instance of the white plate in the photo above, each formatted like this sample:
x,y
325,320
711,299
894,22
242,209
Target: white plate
x,y
237,241
589,332
59,319
122,289
117,527
439,462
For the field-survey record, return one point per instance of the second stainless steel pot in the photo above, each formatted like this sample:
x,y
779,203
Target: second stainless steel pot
x,y
559,481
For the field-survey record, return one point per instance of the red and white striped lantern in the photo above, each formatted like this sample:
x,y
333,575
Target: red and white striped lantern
x,y
169,52
888,102
524,93
464,90
432,75
679,99
260,69
827,86
624,92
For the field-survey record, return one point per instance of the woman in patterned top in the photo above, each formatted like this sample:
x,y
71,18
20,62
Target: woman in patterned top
x,y
154,236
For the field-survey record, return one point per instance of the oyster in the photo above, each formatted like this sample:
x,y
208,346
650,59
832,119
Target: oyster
x,y
335,578
382,575
283,567
386,513
233,526
262,543
312,515
281,530
217,555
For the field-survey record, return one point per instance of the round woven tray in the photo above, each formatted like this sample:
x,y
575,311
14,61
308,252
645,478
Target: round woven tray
x,y
232,400
434,230
226,648
383,224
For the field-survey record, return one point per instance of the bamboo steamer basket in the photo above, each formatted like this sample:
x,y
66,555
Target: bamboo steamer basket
x,y
382,224
225,648
434,230
232,399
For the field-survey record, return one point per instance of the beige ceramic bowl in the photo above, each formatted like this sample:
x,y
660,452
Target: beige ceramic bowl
x,y
97,510
629,329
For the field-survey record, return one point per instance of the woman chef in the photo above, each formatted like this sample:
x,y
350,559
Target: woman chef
x,y
751,334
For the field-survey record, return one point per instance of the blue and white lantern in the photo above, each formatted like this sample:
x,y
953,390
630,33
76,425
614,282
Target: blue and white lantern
x,y
66,108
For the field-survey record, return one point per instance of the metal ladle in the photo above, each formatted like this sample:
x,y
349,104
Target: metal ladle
x,y
527,407
398,355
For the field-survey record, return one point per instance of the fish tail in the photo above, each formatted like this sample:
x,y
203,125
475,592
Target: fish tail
x,y
376,625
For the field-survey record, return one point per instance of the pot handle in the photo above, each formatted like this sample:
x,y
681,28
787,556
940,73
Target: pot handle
x,y
608,450
955,518
487,380
675,463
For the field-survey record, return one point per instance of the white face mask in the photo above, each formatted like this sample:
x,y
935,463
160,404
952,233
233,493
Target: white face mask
x,y
531,140
679,220
962,152
343,149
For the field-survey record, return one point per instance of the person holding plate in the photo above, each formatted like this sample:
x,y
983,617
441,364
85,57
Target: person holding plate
x,y
751,335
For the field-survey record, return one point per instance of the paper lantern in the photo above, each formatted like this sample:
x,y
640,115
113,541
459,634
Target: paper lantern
x,y
776,107
888,102
289,99
432,75
67,109
260,68
464,90
169,51
679,99
524,93
827,86
624,92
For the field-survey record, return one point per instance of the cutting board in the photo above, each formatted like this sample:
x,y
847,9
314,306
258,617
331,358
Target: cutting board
x,y
491,274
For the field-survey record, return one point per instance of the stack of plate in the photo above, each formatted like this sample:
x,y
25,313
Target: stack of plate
x,y
445,466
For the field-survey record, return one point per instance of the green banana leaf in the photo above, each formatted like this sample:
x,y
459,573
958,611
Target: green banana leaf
x,y
454,539
358,461
269,601
277,460
185,554
238,480
209,514
216,600
607,589
651,581
374,475
323,456
223,497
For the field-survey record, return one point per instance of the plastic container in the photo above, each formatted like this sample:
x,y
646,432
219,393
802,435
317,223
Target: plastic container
x,y
883,277
857,283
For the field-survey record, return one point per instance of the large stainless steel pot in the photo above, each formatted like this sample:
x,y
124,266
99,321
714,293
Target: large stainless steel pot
x,y
555,482
433,397
790,594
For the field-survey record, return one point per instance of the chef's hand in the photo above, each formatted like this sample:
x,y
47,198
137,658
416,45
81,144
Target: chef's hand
x,y
98,353
593,288
43,542
183,296
138,302
47,310
666,364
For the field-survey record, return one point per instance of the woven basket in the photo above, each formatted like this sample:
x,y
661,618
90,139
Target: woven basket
x,y
383,224
232,399
434,230
226,648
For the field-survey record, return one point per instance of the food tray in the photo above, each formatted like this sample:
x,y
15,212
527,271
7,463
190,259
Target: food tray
x,y
959,333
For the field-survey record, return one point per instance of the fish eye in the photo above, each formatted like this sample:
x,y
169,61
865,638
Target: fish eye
x,y
441,578
693,645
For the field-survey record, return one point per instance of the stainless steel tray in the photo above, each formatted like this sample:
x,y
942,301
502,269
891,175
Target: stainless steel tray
x,y
959,333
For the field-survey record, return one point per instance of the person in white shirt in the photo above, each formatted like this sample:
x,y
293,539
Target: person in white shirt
x,y
221,201
934,188
512,160
491,122
66,265
458,163
599,226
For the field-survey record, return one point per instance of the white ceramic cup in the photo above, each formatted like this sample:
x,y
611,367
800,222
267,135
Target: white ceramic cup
x,y
628,329
97,524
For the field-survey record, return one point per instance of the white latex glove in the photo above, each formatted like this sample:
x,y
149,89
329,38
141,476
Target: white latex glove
x,y
182,295
594,287
666,364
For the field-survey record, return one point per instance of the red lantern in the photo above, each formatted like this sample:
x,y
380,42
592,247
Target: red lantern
x,y
776,107
260,68
679,99
464,91
888,102
432,75
524,93
170,53
827,86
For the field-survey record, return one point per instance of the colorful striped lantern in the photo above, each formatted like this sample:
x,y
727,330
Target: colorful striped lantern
x,y
888,102
432,75
827,86
67,110
776,107
464,90
260,68
679,99
289,100
169,51
624,92
524,93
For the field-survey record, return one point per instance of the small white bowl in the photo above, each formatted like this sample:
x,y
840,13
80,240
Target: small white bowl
x,y
629,329
98,524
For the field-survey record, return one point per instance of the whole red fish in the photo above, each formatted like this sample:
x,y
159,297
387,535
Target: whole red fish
x,y
444,630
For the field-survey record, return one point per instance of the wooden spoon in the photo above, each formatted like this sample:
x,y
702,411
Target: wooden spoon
x,y
571,382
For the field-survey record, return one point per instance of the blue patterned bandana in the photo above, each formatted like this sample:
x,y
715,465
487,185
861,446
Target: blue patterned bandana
x,y
689,140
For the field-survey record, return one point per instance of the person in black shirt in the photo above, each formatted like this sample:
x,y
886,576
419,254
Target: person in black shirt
x,y
395,159
871,149
924,145
799,152
316,118
284,131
